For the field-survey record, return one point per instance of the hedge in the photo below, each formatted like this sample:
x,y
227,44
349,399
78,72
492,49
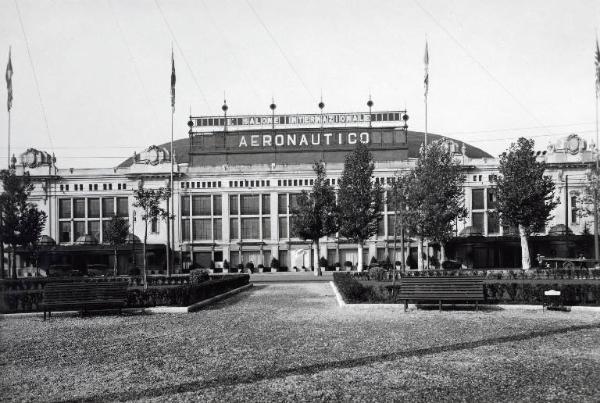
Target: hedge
x,y
528,292
25,295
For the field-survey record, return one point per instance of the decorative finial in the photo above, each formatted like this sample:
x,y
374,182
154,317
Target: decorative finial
x,y
321,104
272,106
13,161
370,102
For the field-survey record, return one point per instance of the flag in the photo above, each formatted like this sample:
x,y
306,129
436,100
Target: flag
x,y
9,74
426,61
597,61
172,81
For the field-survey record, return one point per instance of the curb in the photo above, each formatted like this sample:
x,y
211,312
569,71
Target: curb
x,y
151,310
505,307
342,304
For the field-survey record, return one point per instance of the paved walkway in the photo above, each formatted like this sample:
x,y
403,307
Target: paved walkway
x,y
289,342
290,277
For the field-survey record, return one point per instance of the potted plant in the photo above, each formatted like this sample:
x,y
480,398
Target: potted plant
x,y
225,266
323,264
249,267
261,268
274,265
240,268
211,268
347,265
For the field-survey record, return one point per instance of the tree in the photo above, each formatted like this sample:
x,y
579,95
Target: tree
x,y
359,199
397,203
314,216
525,195
115,234
434,196
22,222
149,201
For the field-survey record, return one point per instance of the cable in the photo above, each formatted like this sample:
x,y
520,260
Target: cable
x,y
183,56
132,60
281,51
37,84
481,66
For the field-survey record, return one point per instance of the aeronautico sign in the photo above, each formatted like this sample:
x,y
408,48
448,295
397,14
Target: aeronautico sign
x,y
209,123
302,139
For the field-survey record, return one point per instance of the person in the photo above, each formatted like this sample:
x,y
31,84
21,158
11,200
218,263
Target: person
x,y
582,258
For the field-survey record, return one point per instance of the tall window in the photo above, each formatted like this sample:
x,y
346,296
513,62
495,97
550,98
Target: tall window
x,y
64,208
79,208
234,232
93,208
89,215
233,205
122,207
266,204
154,225
185,205
201,205
250,229
108,207
249,204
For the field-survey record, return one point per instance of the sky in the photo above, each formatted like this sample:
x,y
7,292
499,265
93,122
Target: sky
x,y
91,78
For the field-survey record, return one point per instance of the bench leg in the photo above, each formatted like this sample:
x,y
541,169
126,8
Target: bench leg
x,y
440,303
44,314
405,305
476,305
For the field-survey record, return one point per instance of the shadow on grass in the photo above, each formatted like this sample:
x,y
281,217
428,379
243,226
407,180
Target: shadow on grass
x,y
234,299
258,375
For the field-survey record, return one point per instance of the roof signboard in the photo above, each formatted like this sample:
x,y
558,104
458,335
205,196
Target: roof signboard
x,y
252,122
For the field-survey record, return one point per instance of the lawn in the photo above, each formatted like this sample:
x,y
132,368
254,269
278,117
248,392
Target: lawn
x,y
292,342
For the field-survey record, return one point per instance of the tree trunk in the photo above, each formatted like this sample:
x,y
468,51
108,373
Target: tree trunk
x,y
14,261
316,262
144,252
420,253
525,260
442,253
1,254
359,266
115,262
402,253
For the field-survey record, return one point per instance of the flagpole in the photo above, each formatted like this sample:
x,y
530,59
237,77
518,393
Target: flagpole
x,y
9,139
170,221
595,178
426,62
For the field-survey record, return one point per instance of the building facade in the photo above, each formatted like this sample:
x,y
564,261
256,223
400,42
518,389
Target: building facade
x,y
237,179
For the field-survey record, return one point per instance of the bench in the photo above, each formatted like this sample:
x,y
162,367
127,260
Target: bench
x,y
84,296
454,289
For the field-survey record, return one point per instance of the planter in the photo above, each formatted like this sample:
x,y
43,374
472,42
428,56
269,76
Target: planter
x,y
273,270
260,269
225,270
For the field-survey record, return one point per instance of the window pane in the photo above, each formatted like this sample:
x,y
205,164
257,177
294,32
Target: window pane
x,y
108,207
79,208
185,229
282,203
477,202
79,229
283,227
249,204
201,205
65,232
202,229
266,204
233,204
122,207
218,229
250,228
477,221
93,208
94,229
266,228
493,223
64,208
381,227
492,201
217,205
391,225
185,205
294,201
234,232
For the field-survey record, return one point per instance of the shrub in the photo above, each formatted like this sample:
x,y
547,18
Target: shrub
x,y
198,276
348,263
261,266
274,263
451,265
240,268
378,273
373,261
225,265
322,262
351,290
250,267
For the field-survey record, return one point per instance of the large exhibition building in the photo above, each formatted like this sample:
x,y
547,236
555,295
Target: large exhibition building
x,y
236,178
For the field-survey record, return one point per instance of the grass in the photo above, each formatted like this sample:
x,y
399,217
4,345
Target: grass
x,y
292,342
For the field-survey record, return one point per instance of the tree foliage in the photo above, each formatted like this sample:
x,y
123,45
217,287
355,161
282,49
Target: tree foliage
x,y
360,199
22,222
433,194
149,201
115,234
525,195
314,216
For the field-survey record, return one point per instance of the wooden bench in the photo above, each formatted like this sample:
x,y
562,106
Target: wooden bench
x,y
84,296
454,289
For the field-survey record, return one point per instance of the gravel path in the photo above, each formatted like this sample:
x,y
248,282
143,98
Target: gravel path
x,y
291,342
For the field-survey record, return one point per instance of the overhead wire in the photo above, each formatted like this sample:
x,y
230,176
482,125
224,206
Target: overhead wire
x,y
481,65
35,78
132,60
287,59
